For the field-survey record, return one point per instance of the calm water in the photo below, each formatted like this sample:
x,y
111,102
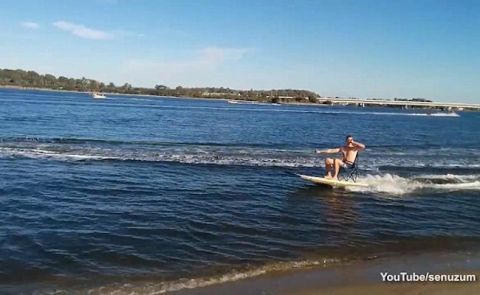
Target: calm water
x,y
140,195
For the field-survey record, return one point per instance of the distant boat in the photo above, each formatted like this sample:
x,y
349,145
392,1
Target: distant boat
x,y
98,95
232,101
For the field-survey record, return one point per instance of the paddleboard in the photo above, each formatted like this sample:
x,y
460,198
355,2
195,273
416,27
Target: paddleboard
x,y
331,182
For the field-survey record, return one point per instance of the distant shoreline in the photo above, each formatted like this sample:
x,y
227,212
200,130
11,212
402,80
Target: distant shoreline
x,y
154,96
74,91
106,93
335,102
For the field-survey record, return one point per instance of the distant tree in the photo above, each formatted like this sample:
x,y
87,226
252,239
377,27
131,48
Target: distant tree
x,y
126,87
93,85
33,79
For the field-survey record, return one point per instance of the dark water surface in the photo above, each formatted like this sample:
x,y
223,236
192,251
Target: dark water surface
x,y
149,195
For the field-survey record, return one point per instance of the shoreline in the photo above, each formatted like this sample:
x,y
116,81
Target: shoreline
x,y
361,276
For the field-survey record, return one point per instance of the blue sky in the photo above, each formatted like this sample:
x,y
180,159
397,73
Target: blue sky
x,y
354,48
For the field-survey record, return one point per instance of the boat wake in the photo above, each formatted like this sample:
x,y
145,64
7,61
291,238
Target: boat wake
x,y
452,114
397,185
385,159
387,171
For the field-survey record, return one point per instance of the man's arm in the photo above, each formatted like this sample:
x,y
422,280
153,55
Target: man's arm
x,y
358,145
328,151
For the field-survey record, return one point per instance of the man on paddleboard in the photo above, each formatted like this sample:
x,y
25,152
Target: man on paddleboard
x,y
349,154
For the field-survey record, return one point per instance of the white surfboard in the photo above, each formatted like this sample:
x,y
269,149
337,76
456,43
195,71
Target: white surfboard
x,y
331,182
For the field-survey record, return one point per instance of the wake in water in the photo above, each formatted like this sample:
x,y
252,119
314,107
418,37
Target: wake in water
x,y
452,114
397,185
387,183
390,170
378,157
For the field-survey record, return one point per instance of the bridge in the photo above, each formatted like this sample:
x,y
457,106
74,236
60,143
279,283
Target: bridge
x,y
402,104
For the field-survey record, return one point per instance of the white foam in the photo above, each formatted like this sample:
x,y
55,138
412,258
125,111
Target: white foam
x,y
43,154
397,185
152,288
387,183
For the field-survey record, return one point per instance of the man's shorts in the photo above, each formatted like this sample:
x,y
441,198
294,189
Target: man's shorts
x,y
348,165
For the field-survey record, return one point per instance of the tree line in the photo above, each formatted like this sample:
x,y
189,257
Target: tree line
x,y
32,79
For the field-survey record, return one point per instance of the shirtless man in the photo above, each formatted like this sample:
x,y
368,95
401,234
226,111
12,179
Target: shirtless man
x,y
349,154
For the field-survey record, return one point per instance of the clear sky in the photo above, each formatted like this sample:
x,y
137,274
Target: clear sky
x,y
359,48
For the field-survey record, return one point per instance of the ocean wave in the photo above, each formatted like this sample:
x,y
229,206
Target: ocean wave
x,y
154,286
192,283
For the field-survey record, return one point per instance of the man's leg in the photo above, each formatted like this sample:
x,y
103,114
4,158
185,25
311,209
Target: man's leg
x,y
338,164
329,167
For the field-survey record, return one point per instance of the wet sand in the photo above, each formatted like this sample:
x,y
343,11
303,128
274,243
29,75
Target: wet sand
x,y
359,277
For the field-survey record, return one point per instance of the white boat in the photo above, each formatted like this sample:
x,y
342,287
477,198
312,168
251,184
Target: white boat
x,y
98,95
